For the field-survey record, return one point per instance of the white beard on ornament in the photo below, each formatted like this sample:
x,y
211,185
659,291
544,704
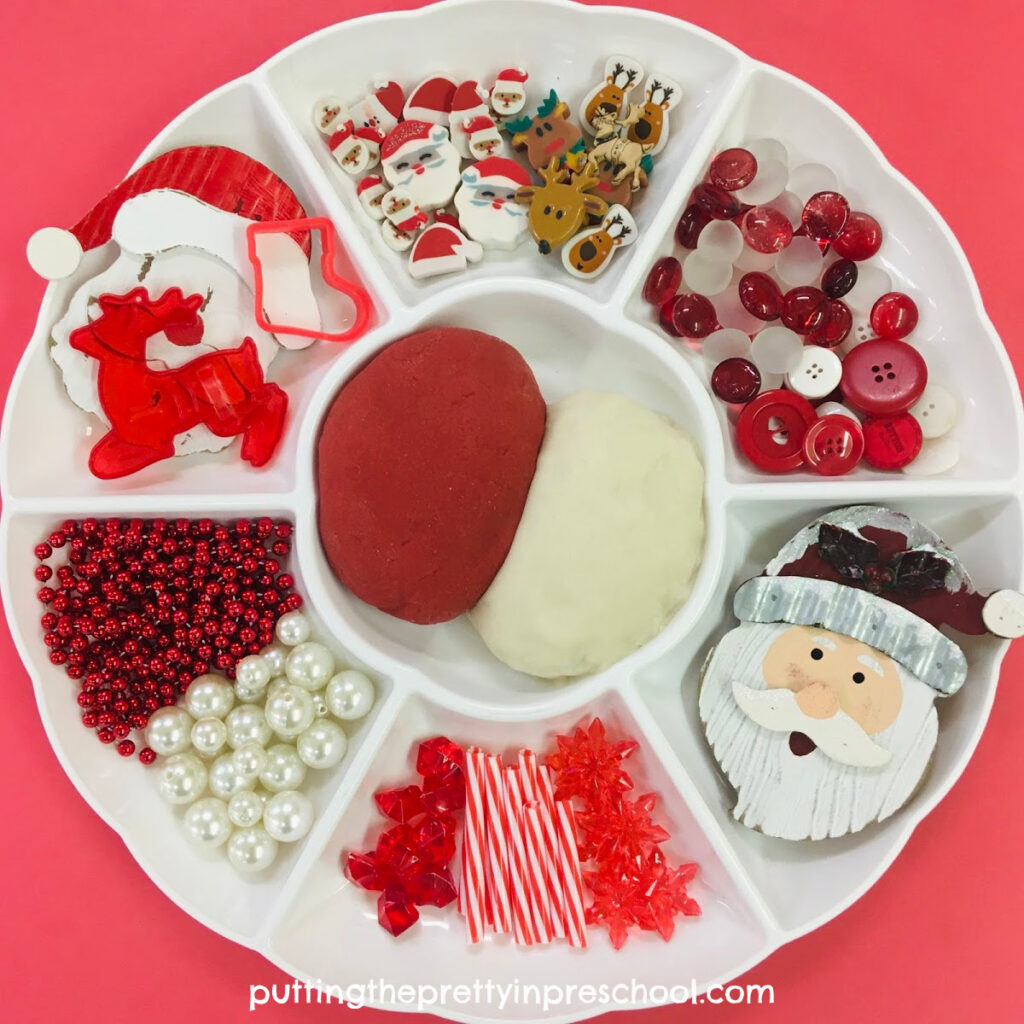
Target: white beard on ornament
x,y
810,796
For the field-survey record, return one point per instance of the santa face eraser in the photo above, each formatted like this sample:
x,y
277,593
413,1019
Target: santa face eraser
x,y
508,94
395,238
486,203
378,112
468,103
420,157
370,192
328,114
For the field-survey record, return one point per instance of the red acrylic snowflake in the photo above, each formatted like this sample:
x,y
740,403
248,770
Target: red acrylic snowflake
x,y
619,831
588,766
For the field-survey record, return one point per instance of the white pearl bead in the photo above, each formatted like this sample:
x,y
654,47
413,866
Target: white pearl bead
x,y
207,822
209,735
320,708
288,816
349,695
209,696
168,730
182,778
225,778
309,665
252,674
274,656
247,724
284,769
292,628
322,745
289,711
251,849
249,694
250,759
245,808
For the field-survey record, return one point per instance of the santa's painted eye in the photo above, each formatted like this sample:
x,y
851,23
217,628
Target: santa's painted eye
x,y
424,157
402,166
858,677
487,194
817,654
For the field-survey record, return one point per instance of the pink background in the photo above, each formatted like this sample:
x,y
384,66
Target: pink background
x,y
85,935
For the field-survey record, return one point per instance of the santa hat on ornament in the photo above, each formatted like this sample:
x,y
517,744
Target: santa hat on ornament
x,y
510,80
442,249
497,171
216,176
887,580
431,101
386,101
409,135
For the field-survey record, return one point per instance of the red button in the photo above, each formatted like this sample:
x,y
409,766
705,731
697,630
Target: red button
x,y
833,445
891,442
770,430
883,376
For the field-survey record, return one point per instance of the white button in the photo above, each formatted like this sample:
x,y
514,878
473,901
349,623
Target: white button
x,y
720,240
836,409
706,275
938,456
727,343
799,263
817,374
776,350
936,411
1003,614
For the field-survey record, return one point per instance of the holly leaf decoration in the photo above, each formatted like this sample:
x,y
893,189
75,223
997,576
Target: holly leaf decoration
x,y
846,552
919,570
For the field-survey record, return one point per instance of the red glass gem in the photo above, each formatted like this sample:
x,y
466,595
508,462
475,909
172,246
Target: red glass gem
x,y
883,376
760,295
770,430
690,316
716,202
833,445
691,224
431,888
663,281
736,380
366,871
836,328
395,911
894,315
825,215
439,757
435,839
733,169
840,277
588,765
766,229
442,795
892,442
402,805
805,309
860,238
223,391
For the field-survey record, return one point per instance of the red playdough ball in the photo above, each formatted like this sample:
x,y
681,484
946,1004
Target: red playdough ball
x,y
423,465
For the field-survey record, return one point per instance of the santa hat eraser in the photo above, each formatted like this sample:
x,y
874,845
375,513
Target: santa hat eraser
x,y
388,97
481,123
431,100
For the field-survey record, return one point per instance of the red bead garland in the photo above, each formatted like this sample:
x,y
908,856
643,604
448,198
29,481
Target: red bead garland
x,y
142,607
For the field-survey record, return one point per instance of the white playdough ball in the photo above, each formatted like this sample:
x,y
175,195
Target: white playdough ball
x,y
608,545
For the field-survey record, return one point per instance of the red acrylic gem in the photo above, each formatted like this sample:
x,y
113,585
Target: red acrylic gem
x,y
691,224
733,169
892,442
439,756
894,315
401,805
395,911
736,380
223,391
766,229
689,316
397,849
839,278
835,329
367,871
432,888
825,215
663,281
588,765
760,295
435,840
860,238
442,796
716,202
805,309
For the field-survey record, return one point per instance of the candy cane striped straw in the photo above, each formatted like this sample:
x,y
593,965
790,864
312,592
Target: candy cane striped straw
x,y
498,874
474,844
526,919
541,865
537,786
569,859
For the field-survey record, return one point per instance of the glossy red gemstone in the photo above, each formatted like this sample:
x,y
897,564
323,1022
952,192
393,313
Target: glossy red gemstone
x,y
833,445
736,380
840,277
395,910
836,328
860,238
760,295
733,169
883,376
403,805
691,224
892,442
442,796
663,281
397,849
770,430
824,216
690,316
766,229
805,309
894,315
439,756
365,870
716,202
431,888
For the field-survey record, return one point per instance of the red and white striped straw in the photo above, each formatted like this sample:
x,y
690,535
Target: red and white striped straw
x,y
498,874
569,859
474,846
527,917
537,786
541,865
